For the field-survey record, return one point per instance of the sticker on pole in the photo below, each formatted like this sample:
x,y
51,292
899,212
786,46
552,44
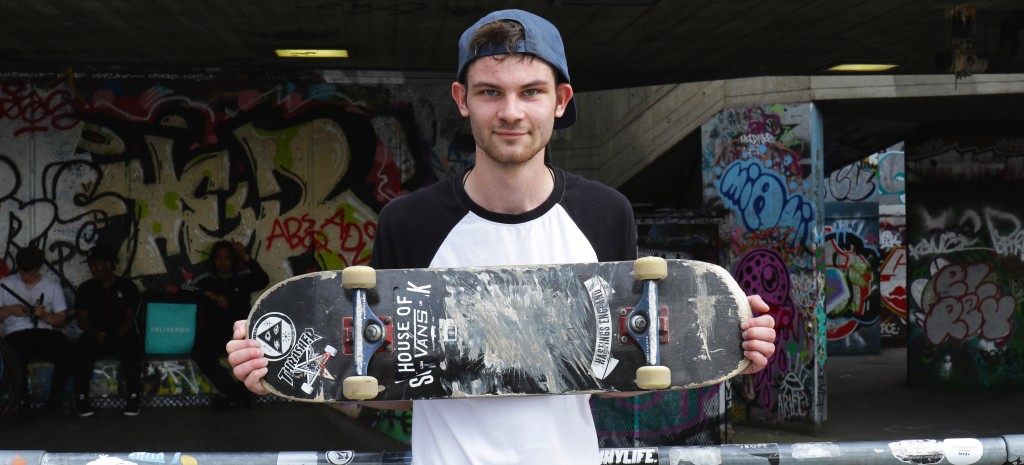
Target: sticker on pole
x,y
963,451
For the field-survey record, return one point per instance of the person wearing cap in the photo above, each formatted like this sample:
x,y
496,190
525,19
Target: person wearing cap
x,y
105,307
32,310
509,208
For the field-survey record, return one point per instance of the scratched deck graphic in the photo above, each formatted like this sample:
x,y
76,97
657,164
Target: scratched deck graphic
x,y
468,332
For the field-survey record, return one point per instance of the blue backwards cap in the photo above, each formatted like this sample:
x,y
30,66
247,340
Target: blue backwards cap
x,y
541,40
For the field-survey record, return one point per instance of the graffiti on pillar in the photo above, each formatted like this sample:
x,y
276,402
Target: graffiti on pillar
x,y
965,253
856,182
761,165
892,279
892,177
851,284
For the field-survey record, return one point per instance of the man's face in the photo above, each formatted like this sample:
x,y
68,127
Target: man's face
x,y
101,269
223,262
30,277
512,104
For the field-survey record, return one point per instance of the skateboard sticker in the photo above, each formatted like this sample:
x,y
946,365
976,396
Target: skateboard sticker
x,y
340,457
306,362
603,362
276,334
416,335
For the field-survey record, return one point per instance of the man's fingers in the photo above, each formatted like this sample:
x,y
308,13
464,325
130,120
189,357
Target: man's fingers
x,y
757,304
252,382
240,329
763,321
757,362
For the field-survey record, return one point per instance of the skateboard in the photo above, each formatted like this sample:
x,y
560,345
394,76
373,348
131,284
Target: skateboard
x,y
407,334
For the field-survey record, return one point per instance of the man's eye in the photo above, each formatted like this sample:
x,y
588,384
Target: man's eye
x,y
531,93
489,92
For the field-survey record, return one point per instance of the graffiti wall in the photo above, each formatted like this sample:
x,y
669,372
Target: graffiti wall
x,y
966,258
852,259
763,166
160,166
892,244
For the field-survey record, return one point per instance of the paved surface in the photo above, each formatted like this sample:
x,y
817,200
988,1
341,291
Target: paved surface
x,y
868,400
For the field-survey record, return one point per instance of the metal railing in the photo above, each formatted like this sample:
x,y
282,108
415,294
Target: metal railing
x,y
1008,449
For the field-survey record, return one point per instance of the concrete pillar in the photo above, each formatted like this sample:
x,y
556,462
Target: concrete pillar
x,y
763,165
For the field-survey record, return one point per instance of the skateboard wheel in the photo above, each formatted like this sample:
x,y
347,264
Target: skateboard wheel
x,y
360,387
331,350
358,277
307,388
650,268
653,377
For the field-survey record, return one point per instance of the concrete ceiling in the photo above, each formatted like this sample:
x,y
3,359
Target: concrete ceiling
x,y
610,43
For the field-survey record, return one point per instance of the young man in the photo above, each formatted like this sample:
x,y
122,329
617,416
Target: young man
x,y
226,290
32,330
105,306
510,208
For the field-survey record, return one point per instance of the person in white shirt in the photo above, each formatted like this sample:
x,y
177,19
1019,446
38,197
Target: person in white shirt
x,y
33,330
509,208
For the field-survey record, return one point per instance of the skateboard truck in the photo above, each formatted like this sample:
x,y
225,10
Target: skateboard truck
x,y
368,332
643,324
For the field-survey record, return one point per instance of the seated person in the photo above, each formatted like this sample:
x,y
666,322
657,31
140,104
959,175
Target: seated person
x,y
33,331
226,289
105,306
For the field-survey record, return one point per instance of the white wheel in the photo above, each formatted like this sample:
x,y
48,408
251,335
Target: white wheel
x,y
358,277
653,377
360,387
307,388
650,268
331,350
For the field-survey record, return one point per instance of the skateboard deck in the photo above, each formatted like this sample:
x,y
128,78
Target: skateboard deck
x,y
497,331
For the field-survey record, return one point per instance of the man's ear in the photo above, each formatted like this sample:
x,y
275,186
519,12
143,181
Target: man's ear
x,y
459,92
563,93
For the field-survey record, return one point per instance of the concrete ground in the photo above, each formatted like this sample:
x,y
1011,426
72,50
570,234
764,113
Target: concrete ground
x,y
868,400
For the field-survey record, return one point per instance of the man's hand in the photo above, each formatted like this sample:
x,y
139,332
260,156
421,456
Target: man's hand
x,y
758,335
222,302
246,359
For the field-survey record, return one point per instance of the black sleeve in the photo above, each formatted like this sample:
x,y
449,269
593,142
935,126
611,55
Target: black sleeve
x,y
604,215
411,229
253,278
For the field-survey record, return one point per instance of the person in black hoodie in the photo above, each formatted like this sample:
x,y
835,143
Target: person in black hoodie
x,y
226,289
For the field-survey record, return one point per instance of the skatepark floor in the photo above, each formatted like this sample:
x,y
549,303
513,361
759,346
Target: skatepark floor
x,y
868,400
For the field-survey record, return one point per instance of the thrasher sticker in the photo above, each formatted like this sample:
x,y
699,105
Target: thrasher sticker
x,y
300,356
276,334
603,363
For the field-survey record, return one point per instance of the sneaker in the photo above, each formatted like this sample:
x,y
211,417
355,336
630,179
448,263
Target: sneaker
x,y
133,405
83,406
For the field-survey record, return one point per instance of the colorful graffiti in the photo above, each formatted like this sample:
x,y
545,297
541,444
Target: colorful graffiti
x,y
965,262
762,166
159,166
851,285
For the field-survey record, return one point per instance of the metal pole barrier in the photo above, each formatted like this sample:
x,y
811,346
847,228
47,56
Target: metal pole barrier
x,y
1004,450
